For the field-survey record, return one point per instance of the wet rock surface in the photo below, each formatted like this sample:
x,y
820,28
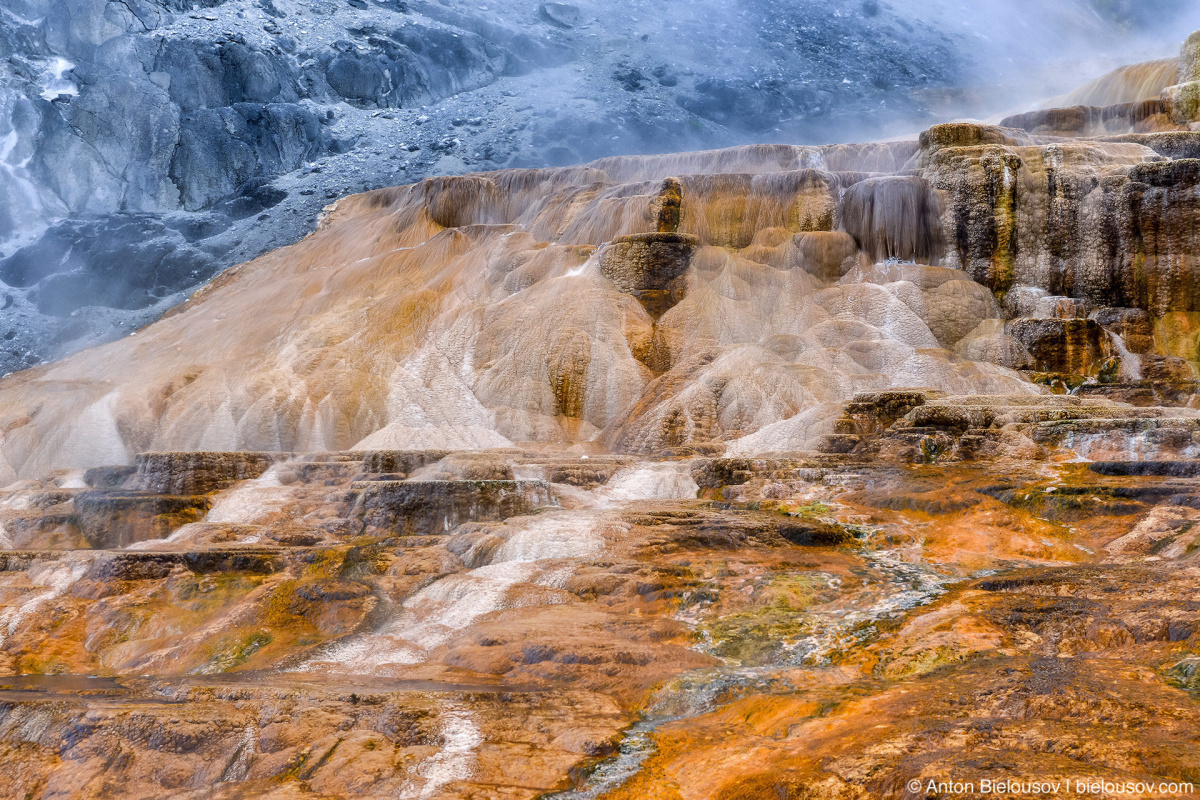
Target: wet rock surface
x,y
832,614
723,302
197,473
651,267
109,519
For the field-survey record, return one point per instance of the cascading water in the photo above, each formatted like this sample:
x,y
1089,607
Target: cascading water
x,y
1131,363
54,579
654,481
1127,84
1129,443
460,738
21,211
240,509
427,619
537,550
243,757
253,500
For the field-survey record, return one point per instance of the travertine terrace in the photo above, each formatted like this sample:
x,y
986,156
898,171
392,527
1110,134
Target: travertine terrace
x,y
771,472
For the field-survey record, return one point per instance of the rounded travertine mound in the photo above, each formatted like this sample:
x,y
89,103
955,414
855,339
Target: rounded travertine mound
x,y
659,304
1189,59
826,254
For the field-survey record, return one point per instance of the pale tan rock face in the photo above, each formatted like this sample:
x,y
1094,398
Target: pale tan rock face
x,y
618,306
388,328
1184,102
1189,59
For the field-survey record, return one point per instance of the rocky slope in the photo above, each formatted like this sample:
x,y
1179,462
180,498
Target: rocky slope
x,y
163,141
511,623
768,471
732,300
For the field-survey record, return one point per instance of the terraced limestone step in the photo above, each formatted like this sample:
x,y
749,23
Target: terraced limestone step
x,y
119,518
400,463
130,565
937,428
191,473
1171,469
410,508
